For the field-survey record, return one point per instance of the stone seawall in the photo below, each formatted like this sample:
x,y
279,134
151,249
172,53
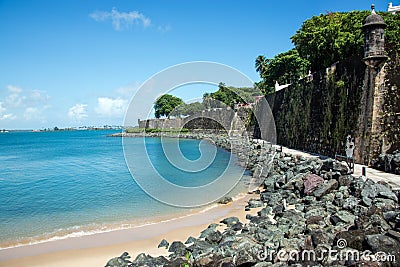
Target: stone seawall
x,y
318,113
214,118
346,102
346,107
304,205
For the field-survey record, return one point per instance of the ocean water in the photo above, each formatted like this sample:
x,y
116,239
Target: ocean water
x,y
59,184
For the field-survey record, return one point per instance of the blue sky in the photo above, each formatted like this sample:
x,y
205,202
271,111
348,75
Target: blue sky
x,y
72,62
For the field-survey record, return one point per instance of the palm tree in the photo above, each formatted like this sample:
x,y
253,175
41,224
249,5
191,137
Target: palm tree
x,y
261,65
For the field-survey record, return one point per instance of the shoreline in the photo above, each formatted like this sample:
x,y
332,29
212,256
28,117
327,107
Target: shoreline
x,y
100,247
36,246
297,193
88,230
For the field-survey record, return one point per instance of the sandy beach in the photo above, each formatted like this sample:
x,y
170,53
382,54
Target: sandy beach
x,y
97,249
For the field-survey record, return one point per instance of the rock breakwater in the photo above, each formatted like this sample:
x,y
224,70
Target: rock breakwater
x,y
312,213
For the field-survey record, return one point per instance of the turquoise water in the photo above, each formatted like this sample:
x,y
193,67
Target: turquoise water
x,y
59,184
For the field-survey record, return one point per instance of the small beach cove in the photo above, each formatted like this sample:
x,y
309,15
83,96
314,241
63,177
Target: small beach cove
x,y
96,249
93,231
303,203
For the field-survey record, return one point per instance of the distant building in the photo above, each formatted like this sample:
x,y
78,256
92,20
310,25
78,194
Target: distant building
x,y
393,9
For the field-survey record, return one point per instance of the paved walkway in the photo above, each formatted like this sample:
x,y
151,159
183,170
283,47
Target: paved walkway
x,y
376,175
373,174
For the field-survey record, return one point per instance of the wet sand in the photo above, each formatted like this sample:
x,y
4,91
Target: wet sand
x,y
97,249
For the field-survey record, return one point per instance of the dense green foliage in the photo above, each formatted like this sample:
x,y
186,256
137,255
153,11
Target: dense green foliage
x,y
285,68
165,104
332,37
322,41
326,39
155,130
229,95
134,130
168,105
392,32
166,130
188,109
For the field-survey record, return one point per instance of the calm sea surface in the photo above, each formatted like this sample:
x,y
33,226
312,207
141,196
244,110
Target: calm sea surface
x,y
59,184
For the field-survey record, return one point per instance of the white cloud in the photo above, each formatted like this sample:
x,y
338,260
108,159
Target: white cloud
x,y
38,96
36,113
109,107
2,109
78,112
121,20
164,29
8,116
14,89
26,104
14,100
25,98
32,113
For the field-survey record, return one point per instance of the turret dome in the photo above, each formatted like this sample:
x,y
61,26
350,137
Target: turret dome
x,y
374,19
374,39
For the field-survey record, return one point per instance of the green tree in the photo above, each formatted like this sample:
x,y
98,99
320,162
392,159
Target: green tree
x,y
285,68
261,65
188,109
192,108
165,104
331,37
326,39
392,32
229,95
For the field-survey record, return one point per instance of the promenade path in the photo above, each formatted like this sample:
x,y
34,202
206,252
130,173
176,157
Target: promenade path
x,y
373,174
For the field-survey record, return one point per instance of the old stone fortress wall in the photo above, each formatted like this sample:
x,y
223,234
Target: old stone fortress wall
x,y
345,103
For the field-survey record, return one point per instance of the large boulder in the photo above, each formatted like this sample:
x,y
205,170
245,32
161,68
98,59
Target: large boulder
x,y
206,260
296,182
372,190
325,188
350,203
121,261
255,203
381,243
388,162
396,162
163,244
225,200
190,240
146,260
178,248
230,221
247,251
343,216
334,166
211,228
311,182
200,247
345,180
214,237
322,238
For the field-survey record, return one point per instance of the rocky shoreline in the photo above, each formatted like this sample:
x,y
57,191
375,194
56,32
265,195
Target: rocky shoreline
x,y
312,213
388,162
